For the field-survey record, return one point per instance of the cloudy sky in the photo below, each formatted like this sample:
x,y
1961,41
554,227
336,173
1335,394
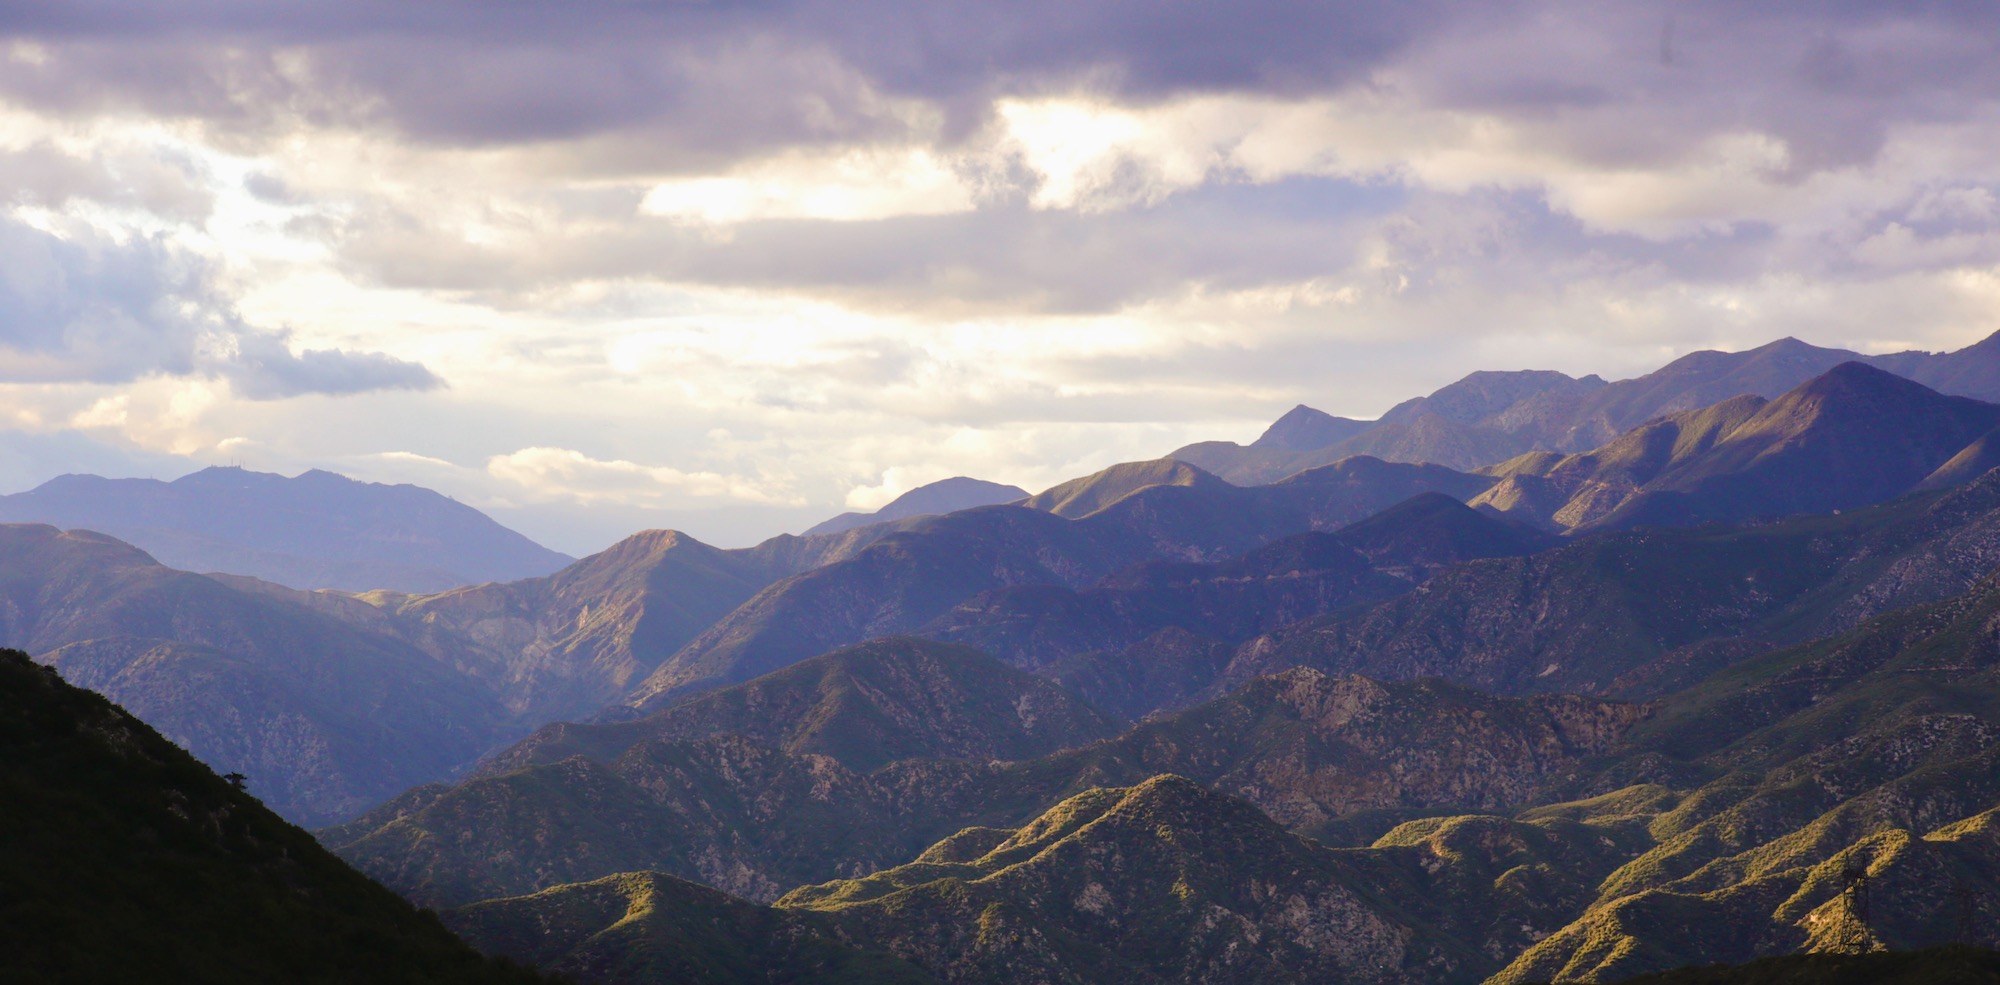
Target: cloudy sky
x,y
595,265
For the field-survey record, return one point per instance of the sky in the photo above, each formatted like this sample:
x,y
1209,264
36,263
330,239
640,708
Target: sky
x,y
732,267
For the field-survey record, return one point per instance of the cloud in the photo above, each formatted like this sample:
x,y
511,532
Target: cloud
x,y
131,175
562,473
262,366
91,307
863,243
758,74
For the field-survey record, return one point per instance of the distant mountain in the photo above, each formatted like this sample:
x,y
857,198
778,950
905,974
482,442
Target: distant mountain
x,y
643,928
942,496
316,530
864,706
922,567
1847,438
122,859
324,717
756,821
1487,417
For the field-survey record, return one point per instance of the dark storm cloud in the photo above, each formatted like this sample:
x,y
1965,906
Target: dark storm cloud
x,y
709,77
90,308
688,83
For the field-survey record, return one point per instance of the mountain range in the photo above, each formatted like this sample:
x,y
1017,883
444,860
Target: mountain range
x,y
315,530
1489,417
1578,714
1072,535
1143,588
1715,824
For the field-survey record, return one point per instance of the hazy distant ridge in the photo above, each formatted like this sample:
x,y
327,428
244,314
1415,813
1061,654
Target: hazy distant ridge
x,y
315,530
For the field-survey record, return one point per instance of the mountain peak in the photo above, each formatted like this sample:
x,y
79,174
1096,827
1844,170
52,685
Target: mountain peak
x,y
943,496
1852,389
1303,429
1079,498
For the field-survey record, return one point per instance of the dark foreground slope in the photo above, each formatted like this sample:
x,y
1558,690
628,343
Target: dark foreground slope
x,y
124,860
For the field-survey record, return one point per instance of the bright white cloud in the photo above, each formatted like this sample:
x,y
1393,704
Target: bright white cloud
x,y
561,473
848,186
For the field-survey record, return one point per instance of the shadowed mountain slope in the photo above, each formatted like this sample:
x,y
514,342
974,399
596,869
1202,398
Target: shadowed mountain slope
x,y
929,564
1649,611
942,496
1847,438
324,717
1304,575
864,706
122,859
316,530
